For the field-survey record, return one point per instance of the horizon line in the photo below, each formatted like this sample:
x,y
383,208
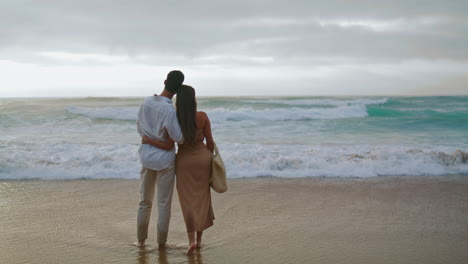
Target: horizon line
x,y
233,96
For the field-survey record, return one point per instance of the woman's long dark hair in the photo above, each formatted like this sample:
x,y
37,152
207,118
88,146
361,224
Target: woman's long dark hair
x,y
186,106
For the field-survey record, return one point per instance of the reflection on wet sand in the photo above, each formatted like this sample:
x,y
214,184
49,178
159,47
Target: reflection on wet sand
x,y
142,257
195,258
147,256
162,257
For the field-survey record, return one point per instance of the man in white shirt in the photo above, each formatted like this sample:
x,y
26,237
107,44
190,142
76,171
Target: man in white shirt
x,y
157,119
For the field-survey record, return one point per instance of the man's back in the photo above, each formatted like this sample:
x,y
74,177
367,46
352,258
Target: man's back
x,y
157,119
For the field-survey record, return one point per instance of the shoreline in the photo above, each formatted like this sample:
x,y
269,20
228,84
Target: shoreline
x,y
332,178
258,220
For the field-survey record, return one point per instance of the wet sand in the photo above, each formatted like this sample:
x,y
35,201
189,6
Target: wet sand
x,y
316,220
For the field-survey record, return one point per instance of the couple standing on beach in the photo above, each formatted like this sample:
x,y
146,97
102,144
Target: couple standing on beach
x,y
160,125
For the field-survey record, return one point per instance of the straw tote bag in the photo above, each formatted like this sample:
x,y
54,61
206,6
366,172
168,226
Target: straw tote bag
x,y
218,172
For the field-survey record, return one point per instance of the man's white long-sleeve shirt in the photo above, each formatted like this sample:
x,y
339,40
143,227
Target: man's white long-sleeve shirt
x,y
157,119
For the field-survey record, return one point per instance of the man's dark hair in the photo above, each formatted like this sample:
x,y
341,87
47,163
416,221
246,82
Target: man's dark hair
x,y
174,81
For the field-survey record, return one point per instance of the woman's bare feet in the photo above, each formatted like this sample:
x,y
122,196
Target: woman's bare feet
x,y
191,249
140,244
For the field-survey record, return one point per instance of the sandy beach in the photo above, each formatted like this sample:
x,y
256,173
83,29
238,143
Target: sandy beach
x,y
263,220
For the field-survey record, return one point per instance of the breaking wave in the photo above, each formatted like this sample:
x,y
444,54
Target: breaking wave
x,y
241,114
90,161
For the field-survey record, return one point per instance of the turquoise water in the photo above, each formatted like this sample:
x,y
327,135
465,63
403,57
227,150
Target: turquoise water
x,y
281,137
432,120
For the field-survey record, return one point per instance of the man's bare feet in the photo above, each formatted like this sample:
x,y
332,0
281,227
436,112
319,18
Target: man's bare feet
x,y
198,245
191,249
140,244
162,246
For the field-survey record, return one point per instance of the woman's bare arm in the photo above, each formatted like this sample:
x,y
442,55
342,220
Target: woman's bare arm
x,y
207,132
166,145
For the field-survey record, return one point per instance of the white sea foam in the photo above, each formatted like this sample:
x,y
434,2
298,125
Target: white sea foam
x,y
68,161
98,161
352,161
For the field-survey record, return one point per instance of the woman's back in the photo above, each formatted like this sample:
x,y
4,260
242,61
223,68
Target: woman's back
x,y
204,130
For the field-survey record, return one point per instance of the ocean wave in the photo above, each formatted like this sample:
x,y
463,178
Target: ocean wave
x,y
285,114
119,113
241,114
321,102
221,114
100,161
352,161
389,112
68,161
342,137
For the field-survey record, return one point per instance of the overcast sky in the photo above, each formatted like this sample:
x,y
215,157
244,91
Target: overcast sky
x,y
54,48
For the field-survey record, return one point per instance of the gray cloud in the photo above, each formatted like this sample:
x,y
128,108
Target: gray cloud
x,y
282,30
379,47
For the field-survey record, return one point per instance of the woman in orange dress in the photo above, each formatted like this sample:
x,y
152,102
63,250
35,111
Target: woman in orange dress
x,y
193,166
